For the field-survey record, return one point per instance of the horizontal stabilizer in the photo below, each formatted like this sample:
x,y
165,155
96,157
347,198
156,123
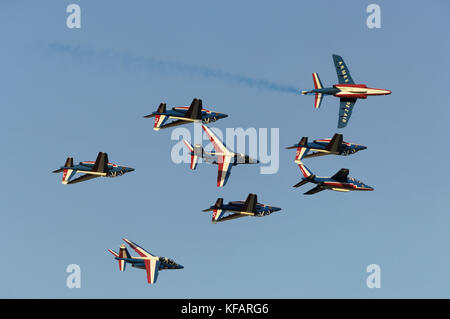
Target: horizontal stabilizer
x,y
301,183
314,190
161,109
67,164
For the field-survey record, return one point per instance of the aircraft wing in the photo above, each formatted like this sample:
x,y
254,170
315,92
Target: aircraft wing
x,y
341,176
230,217
342,71
224,170
316,154
315,190
141,251
83,178
218,145
345,111
175,123
152,267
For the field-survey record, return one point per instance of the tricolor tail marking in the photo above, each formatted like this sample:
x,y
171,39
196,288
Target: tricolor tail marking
x,y
301,151
318,100
305,171
121,262
67,175
159,120
316,79
194,157
217,213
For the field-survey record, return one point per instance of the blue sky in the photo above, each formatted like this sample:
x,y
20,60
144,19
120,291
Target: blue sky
x,y
92,97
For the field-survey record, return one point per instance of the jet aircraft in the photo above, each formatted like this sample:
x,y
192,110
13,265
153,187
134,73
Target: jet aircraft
x,y
101,167
250,207
222,156
183,115
338,182
151,263
335,145
346,90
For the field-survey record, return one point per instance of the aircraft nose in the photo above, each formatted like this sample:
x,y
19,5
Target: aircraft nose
x,y
362,147
388,92
130,169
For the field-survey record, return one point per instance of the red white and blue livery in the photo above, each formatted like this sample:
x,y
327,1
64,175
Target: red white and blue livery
x,y
222,156
183,114
327,146
223,212
151,263
100,168
339,182
347,91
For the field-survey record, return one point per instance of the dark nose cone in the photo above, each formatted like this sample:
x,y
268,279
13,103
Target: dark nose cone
x,y
129,169
361,147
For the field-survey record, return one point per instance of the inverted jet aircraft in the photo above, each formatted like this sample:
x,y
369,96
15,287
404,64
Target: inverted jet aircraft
x,y
222,156
338,182
237,209
152,264
346,90
100,168
183,115
327,146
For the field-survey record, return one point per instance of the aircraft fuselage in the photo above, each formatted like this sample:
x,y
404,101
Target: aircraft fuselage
x,y
351,91
350,184
87,166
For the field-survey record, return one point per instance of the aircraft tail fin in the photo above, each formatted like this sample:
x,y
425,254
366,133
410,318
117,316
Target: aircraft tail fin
x,y
317,82
302,150
160,119
196,152
307,175
217,211
101,163
335,144
318,100
195,110
305,171
317,85
123,253
67,172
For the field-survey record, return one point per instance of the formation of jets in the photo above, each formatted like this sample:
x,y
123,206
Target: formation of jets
x,y
346,90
